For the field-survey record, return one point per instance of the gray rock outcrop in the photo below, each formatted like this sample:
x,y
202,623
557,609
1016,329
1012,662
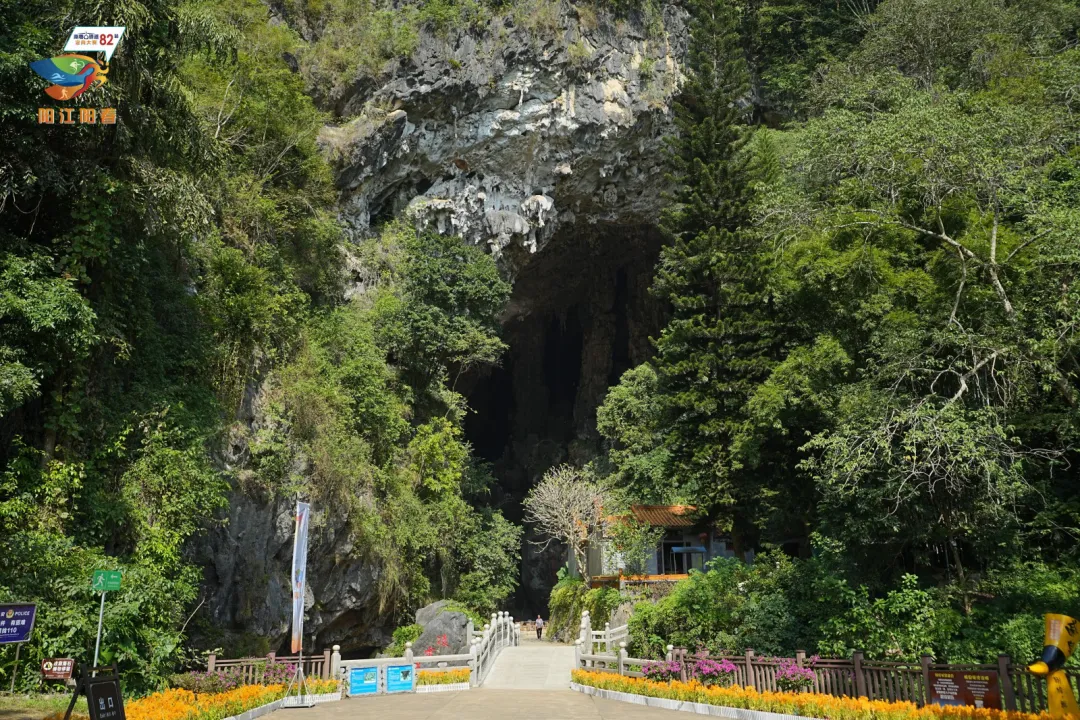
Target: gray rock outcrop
x,y
445,631
506,136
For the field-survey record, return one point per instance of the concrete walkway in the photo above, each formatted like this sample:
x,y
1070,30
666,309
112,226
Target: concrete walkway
x,y
481,704
527,682
533,665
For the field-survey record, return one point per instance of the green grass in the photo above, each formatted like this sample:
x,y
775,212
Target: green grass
x,y
18,707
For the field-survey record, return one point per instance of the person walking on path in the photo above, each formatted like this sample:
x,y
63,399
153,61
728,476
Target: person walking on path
x,y
539,627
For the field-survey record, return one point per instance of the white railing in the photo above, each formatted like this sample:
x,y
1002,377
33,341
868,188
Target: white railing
x,y
600,642
484,646
500,633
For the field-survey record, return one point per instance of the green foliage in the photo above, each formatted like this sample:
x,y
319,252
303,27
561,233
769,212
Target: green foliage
x,y
158,274
601,602
779,605
916,427
402,635
565,605
636,543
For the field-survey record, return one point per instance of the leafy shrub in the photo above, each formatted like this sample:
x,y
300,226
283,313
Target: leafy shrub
x,y
663,670
791,677
711,672
219,681
402,635
564,606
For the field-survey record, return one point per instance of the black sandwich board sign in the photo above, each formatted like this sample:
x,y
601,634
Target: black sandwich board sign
x,y
101,686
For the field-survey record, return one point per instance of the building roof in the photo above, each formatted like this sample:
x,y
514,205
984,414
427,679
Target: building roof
x,y
669,516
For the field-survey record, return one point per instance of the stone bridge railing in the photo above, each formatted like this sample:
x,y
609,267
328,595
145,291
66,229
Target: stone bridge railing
x,y
484,646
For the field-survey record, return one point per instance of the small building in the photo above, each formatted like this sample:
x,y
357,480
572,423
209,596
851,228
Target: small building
x,y
687,544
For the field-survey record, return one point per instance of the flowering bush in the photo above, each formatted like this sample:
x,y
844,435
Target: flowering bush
x,y
180,704
712,672
442,677
811,705
663,670
790,677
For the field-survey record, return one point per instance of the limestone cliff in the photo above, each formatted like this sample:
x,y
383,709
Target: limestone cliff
x,y
542,142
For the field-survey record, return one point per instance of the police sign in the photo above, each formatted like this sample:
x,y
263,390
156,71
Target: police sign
x,y
16,623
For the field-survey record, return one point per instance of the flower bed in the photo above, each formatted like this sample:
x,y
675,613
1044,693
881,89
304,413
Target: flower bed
x,y
803,704
443,677
181,704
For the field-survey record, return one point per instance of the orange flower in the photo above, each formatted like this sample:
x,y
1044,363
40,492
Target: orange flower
x,y
813,705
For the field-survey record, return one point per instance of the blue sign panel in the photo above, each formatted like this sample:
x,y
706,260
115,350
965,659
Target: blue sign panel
x,y
16,623
363,681
400,678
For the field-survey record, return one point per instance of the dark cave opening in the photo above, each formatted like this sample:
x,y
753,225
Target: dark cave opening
x,y
579,316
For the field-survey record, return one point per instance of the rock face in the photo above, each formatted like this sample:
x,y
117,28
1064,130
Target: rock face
x,y
542,141
506,136
247,563
446,632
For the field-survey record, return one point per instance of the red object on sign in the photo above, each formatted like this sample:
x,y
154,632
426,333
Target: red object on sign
x,y
57,668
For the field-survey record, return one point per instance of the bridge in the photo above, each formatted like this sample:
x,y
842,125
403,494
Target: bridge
x,y
515,676
529,681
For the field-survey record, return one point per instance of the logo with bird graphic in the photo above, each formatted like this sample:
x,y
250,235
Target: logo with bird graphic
x,y
71,75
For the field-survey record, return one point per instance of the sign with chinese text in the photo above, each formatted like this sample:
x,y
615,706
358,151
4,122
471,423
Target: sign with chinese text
x,y
16,623
57,668
299,573
400,678
363,681
103,698
95,39
977,688
105,581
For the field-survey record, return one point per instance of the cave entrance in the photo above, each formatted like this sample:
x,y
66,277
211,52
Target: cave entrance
x,y
580,315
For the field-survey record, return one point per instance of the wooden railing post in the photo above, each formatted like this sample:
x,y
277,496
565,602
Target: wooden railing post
x,y
682,665
800,657
750,668
326,664
860,678
211,661
1008,694
924,665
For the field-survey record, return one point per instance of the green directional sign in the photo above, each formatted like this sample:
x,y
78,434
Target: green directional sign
x,y
105,581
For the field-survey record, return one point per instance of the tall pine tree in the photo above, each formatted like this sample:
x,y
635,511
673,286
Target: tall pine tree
x,y
717,346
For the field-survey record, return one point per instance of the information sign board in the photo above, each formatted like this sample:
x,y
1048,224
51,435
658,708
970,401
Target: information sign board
x,y
400,678
104,700
977,688
363,681
57,668
16,622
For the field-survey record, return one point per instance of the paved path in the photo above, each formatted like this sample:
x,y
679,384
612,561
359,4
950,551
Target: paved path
x,y
528,682
532,665
481,704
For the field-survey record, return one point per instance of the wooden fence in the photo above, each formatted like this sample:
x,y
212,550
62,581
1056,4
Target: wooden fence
x,y
855,677
251,669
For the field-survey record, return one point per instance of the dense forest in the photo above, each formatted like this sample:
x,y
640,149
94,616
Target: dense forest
x,y
867,369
